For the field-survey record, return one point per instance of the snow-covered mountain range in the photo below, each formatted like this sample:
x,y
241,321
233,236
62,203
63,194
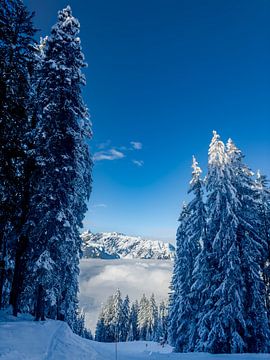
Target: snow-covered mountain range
x,y
113,245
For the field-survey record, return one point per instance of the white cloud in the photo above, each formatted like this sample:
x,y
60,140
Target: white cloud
x,y
138,163
136,145
110,154
115,153
100,278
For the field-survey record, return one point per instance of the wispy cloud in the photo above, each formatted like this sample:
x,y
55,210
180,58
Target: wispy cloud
x,y
104,145
99,205
136,145
105,151
138,163
111,154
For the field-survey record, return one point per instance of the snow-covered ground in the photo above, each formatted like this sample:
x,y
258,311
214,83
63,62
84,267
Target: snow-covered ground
x,y
100,278
53,340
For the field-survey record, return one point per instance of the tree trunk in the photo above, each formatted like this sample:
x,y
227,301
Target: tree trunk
x,y
18,274
2,267
23,240
2,279
40,305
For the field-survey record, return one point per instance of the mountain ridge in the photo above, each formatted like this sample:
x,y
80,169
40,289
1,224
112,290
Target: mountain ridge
x,y
114,245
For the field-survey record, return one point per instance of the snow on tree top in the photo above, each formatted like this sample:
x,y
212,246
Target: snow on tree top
x,y
197,171
217,154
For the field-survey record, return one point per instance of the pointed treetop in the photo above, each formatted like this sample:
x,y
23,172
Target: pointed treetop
x,y
197,171
40,47
232,150
67,12
235,157
216,136
217,154
118,292
67,22
230,144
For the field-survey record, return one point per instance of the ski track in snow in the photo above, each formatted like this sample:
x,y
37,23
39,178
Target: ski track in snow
x,y
53,340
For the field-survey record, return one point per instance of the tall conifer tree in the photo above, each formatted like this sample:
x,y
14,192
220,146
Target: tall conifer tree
x,y
62,179
134,331
263,199
190,235
16,66
143,317
253,244
125,320
223,325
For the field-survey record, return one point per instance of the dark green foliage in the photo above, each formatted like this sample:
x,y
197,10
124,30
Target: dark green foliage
x,y
16,68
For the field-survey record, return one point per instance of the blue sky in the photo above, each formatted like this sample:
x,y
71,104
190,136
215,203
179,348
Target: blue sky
x,y
165,73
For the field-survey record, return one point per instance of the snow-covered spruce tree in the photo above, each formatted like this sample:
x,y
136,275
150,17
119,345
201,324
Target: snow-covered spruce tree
x,y
62,179
174,299
116,323
16,62
113,322
162,330
30,170
103,331
143,317
133,330
253,243
152,319
125,320
100,333
79,327
107,314
263,200
190,234
222,326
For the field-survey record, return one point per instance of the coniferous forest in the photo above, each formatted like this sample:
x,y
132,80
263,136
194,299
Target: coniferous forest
x,y
219,300
120,320
45,166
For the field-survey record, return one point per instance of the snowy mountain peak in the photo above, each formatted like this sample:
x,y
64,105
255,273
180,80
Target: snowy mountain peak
x,y
113,245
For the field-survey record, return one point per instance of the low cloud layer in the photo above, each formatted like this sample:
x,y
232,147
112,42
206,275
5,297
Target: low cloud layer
x,y
100,278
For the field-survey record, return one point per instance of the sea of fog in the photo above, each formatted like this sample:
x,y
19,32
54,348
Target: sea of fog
x,y
100,278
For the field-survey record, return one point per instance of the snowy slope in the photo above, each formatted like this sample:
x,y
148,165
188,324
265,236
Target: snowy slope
x,y
29,340
113,245
53,340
